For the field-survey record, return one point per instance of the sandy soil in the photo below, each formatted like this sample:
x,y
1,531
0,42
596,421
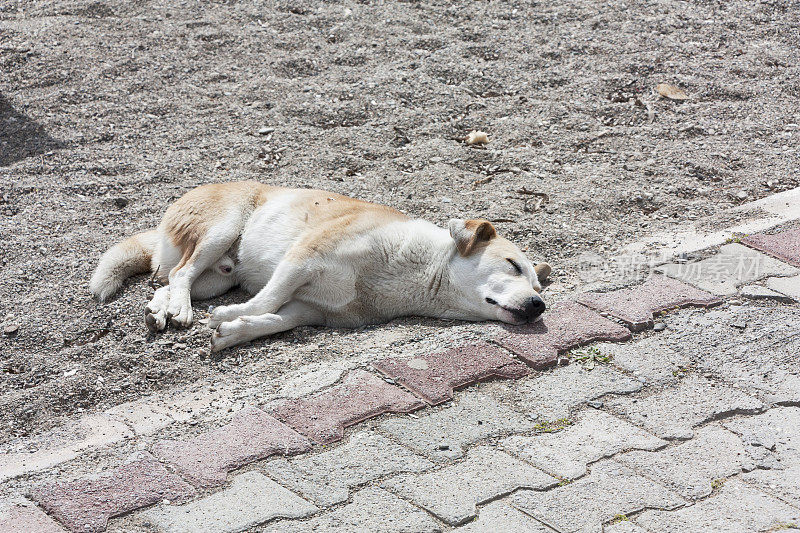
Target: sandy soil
x,y
111,109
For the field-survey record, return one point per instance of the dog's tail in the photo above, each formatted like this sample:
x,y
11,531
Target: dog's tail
x,y
124,259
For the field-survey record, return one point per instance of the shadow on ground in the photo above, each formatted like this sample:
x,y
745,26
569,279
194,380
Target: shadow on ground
x,y
21,137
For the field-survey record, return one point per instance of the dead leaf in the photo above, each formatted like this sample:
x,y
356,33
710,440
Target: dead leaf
x,y
671,91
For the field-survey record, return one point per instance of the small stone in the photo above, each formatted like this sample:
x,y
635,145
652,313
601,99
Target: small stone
x,y
120,202
659,326
265,130
11,330
477,137
739,325
595,404
741,195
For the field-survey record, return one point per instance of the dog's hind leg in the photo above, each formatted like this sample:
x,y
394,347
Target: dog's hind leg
x,y
247,328
287,278
209,248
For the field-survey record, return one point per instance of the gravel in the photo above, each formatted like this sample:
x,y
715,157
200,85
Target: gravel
x,y
109,110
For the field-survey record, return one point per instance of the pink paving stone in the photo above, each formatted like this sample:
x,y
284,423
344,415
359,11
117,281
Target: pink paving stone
x,y
323,417
784,245
636,306
433,377
27,519
85,505
251,435
568,325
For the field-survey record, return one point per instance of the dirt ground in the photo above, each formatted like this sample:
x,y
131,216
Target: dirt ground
x,y
109,110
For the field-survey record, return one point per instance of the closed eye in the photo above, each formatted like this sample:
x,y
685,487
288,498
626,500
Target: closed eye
x,y
515,265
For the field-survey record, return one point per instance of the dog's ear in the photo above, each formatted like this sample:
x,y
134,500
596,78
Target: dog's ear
x,y
542,270
471,234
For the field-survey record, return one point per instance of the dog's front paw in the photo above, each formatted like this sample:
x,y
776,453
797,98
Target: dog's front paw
x,y
222,314
229,334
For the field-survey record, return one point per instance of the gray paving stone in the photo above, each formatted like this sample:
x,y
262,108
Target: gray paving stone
x,y
609,490
735,508
787,286
452,493
753,346
758,292
594,436
500,517
552,395
444,434
690,467
372,509
251,499
723,272
60,445
778,433
623,526
326,478
673,412
651,359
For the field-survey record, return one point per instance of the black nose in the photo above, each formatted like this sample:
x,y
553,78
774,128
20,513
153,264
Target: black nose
x,y
534,307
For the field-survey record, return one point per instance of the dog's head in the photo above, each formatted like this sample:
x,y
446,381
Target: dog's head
x,y
495,277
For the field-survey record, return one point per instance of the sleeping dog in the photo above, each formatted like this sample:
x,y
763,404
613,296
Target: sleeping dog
x,y
312,257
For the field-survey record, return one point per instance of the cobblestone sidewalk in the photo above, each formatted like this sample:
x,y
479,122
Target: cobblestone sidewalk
x,y
617,412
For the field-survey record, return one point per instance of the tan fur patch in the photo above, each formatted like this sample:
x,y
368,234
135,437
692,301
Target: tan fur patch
x,y
189,218
482,232
330,217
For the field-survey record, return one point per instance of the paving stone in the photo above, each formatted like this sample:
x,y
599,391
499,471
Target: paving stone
x,y
623,526
594,436
651,360
637,305
566,326
734,265
371,509
326,478
610,489
60,445
312,377
691,467
85,505
18,515
251,499
778,433
433,377
499,516
736,507
784,245
673,412
251,435
552,395
757,292
761,353
444,434
453,492
787,286
144,417
361,396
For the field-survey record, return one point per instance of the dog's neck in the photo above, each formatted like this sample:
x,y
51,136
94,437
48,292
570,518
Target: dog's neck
x,y
424,252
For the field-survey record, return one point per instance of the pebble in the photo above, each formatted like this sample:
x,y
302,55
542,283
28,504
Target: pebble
x,y
741,195
120,202
595,404
10,330
659,326
739,325
265,130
